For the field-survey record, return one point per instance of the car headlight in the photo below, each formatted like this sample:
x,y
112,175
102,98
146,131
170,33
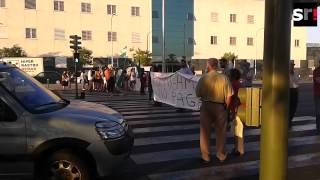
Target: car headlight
x,y
111,130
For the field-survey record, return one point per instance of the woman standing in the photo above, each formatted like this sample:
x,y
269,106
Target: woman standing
x,y
133,79
235,76
293,96
64,80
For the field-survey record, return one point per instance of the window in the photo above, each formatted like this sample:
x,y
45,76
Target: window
x,y
6,113
112,36
296,43
214,17
135,11
86,7
191,17
58,5
233,41
30,4
136,37
155,14
31,33
191,41
86,35
155,39
2,3
233,18
59,34
250,19
214,40
111,9
250,41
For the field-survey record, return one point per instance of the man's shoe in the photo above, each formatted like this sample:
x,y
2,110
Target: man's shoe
x,y
204,161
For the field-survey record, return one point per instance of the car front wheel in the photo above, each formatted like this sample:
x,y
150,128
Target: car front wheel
x,y
65,165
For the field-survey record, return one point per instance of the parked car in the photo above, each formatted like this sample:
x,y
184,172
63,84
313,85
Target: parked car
x,y
53,77
63,139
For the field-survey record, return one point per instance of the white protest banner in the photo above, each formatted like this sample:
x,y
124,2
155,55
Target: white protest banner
x,y
176,89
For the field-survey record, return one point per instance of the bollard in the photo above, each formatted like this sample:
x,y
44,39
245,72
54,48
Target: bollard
x,y
48,81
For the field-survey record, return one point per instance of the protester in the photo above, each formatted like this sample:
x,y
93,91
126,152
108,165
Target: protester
x,y
133,79
83,80
64,80
293,95
125,80
184,68
90,78
215,92
235,103
107,75
225,67
111,81
316,91
143,82
150,90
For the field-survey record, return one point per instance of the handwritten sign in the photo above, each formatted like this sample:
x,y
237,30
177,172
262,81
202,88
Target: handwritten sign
x,y
176,89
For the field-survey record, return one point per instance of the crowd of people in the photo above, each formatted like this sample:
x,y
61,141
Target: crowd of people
x,y
108,79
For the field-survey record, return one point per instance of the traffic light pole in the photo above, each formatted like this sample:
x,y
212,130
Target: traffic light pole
x,y
75,45
274,128
75,73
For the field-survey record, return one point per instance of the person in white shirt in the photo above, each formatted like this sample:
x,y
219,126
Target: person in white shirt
x,y
294,93
133,79
90,78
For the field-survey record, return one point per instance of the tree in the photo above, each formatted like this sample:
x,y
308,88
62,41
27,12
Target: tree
x,y
14,51
142,57
230,57
85,56
172,58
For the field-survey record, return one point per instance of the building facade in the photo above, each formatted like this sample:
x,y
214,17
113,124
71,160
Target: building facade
x,y
238,27
179,29
219,27
313,55
107,27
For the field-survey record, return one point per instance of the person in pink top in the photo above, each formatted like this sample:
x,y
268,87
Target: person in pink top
x,y
316,91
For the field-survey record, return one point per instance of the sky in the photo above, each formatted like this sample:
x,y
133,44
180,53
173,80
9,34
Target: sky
x,y
313,35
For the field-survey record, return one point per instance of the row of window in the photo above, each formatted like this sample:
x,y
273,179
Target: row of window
x,y
233,41
59,34
58,5
214,41
214,17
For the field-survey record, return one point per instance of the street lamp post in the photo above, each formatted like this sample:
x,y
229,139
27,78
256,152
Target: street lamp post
x,y
255,62
163,35
113,14
148,40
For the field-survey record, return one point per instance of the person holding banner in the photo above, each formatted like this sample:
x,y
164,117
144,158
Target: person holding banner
x,y
215,91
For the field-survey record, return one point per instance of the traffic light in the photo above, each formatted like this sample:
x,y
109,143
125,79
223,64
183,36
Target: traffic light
x,y
75,43
76,57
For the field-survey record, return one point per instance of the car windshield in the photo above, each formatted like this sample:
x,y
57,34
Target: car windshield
x,y
28,91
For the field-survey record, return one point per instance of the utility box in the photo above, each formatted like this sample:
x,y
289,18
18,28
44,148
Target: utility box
x,y
250,109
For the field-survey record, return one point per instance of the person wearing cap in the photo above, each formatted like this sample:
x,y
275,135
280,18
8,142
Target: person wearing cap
x,y
294,93
215,91
316,92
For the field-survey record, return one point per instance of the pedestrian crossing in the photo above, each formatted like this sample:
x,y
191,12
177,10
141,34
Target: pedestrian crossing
x,y
167,145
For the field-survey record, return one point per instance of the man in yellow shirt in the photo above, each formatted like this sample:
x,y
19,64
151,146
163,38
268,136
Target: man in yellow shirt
x,y
215,91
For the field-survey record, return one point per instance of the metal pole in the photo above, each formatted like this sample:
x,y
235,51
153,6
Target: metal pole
x,y
184,40
111,41
148,40
163,36
75,74
274,129
255,63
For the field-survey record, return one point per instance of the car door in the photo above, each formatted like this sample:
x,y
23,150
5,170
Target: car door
x,y
13,139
